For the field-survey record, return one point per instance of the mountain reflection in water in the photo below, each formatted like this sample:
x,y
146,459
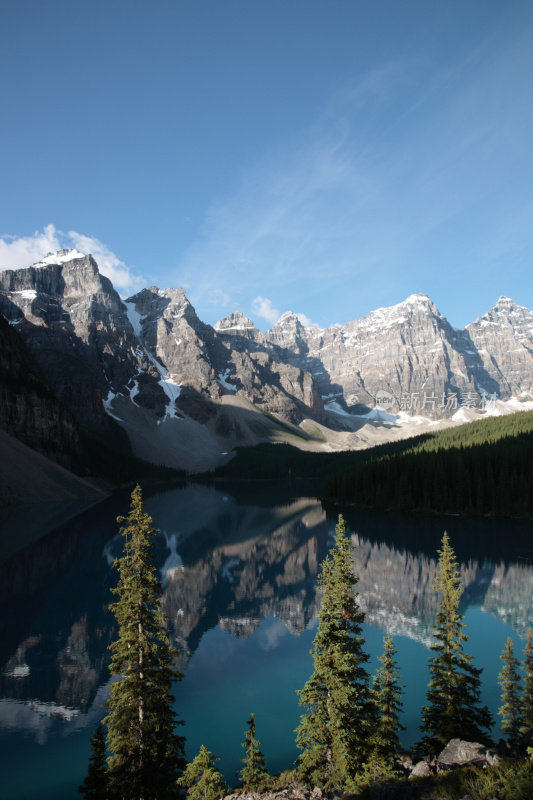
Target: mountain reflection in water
x,y
229,559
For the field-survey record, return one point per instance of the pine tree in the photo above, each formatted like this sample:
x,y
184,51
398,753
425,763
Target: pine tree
x,y
146,753
453,709
333,733
203,780
509,680
95,784
253,775
386,696
527,664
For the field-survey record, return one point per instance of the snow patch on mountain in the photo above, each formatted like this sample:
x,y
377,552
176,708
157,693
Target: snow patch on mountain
x,y
134,391
172,391
27,294
135,318
336,408
60,257
222,378
108,405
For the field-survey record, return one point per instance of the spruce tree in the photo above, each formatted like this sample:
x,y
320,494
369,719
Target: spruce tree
x,y
333,733
527,664
509,680
453,707
202,779
95,784
253,775
386,696
146,754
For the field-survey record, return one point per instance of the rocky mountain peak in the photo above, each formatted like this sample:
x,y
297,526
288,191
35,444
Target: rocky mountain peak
x,y
507,308
504,339
288,319
154,300
152,305
61,257
288,332
236,323
415,304
505,312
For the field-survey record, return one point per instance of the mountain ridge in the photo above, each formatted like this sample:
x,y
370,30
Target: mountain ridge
x,y
187,393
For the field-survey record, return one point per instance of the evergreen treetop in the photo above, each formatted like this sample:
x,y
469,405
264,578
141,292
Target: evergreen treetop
x,y
95,784
386,696
527,665
333,733
146,754
509,680
254,773
202,779
453,707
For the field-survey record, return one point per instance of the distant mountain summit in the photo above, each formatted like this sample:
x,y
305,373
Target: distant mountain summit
x,y
187,393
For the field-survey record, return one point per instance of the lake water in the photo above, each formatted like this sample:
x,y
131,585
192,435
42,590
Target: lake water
x,y
239,568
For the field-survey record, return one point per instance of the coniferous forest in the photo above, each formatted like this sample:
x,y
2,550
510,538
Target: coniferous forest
x,y
349,732
483,468
480,468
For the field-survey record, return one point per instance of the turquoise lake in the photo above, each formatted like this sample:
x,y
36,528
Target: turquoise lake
x,y
239,566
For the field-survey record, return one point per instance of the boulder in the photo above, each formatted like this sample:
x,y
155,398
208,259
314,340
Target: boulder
x,y
421,770
458,753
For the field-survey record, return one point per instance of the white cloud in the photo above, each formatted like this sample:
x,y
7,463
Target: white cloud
x,y
218,297
108,263
270,637
306,322
262,306
23,251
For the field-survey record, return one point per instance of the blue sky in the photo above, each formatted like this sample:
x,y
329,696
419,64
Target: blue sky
x,y
323,156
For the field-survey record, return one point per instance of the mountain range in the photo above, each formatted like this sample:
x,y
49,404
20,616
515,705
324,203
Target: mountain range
x,y
76,359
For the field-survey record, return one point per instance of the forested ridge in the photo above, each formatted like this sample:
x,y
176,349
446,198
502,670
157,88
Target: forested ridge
x,y
481,468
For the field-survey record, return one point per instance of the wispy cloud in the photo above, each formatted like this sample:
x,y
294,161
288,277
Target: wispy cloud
x,y
371,196
262,306
306,321
109,264
23,251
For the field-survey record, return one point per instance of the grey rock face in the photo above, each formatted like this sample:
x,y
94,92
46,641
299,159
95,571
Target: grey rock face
x,y
207,363
409,350
28,409
238,325
172,333
503,337
75,325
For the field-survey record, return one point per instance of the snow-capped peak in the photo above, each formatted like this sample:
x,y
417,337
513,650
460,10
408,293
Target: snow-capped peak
x,y
59,257
288,318
419,298
507,304
505,311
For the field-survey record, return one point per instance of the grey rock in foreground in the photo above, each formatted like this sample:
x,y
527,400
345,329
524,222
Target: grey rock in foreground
x,y
296,792
458,753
